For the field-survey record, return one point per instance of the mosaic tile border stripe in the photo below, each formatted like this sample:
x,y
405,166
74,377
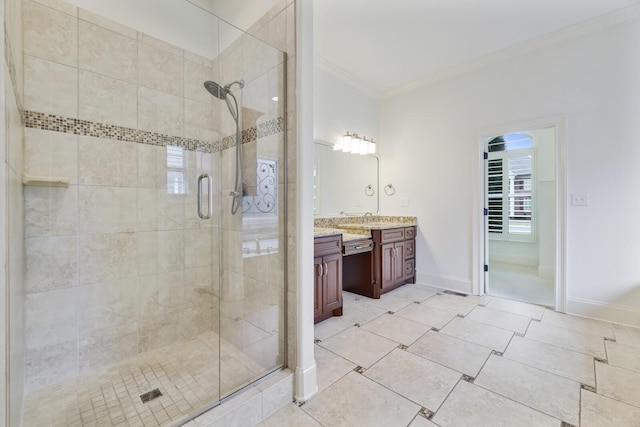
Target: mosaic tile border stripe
x,y
55,123
13,75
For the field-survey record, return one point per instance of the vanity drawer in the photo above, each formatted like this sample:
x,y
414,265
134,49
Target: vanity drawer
x,y
357,247
409,268
410,233
327,245
410,249
392,235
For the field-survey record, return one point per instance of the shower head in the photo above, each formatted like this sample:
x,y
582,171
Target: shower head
x,y
216,90
225,94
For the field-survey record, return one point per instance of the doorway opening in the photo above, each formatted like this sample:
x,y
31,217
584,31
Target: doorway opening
x,y
521,226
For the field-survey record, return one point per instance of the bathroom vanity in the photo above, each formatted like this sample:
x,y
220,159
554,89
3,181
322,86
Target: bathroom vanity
x,y
366,258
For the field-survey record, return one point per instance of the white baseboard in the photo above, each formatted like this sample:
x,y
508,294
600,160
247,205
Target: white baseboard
x,y
450,283
306,384
602,311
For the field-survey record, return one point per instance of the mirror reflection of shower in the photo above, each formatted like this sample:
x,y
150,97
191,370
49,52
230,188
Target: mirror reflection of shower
x,y
225,94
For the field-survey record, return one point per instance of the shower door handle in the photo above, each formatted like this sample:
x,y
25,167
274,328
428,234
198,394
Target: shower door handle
x,y
209,197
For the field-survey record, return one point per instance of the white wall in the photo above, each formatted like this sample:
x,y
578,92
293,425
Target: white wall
x,y
428,144
177,22
241,13
544,143
339,107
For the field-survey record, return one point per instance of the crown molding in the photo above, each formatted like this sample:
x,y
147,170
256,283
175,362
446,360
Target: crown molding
x,y
547,40
345,76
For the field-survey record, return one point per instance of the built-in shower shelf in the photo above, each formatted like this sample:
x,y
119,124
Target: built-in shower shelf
x,y
45,181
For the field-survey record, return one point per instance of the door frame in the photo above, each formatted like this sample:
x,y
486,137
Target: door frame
x,y
560,131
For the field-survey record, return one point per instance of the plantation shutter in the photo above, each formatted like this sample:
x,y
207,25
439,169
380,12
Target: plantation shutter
x,y
494,186
510,187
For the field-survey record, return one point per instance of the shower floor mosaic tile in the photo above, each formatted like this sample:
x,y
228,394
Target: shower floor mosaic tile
x,y
446,360
187,375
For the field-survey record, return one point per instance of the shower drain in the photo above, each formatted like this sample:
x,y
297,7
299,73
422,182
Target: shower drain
x,y
150,395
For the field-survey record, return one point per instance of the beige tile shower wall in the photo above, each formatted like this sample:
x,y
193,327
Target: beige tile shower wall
x,y
12,212
115,265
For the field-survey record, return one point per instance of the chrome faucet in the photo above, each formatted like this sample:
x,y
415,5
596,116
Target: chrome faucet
x,y
367,214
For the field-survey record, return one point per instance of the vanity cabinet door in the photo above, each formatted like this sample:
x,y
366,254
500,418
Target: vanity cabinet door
x,y
393,255
388,276
398,262
333,282
318,283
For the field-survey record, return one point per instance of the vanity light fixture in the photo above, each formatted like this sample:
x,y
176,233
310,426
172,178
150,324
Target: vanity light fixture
x,y
352,143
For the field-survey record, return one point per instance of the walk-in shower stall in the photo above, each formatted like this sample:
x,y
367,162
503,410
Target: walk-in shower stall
x,y
155,219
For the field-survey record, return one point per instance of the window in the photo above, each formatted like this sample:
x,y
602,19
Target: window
x,y
510,201
265,203
176,170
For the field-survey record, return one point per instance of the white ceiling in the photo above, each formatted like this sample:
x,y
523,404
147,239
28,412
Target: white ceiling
x,y
385,44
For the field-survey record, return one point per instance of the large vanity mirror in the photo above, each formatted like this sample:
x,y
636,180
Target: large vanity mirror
x,y
344,183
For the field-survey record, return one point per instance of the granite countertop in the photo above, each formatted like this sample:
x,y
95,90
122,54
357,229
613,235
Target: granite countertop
x,y
361,229
349,237
323,231
346,236
375,225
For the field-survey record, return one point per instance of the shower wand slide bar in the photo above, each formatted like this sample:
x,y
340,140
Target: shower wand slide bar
x,y
209,196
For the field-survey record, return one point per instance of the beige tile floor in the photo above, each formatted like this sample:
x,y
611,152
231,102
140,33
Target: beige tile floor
x,y
418,358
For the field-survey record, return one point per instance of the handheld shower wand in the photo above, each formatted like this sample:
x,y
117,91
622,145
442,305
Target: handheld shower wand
x,y
225,93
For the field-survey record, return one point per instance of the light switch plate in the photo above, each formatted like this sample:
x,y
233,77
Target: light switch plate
x,y
580,199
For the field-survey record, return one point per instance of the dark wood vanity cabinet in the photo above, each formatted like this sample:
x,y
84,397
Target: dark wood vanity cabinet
x,y
327,277
394,255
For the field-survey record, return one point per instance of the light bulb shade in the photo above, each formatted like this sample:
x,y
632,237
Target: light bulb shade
x,y
364,147
372,147
346,142
355,145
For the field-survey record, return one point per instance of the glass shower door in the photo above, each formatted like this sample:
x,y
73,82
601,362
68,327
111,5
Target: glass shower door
x,y
253,239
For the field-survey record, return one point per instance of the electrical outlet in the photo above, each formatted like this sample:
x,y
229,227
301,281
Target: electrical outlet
x,y
357,203
405,203
579,199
